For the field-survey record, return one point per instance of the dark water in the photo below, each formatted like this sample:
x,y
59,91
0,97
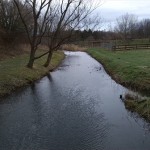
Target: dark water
x,y
77,107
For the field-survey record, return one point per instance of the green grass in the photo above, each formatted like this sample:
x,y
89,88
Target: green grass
x,y
14,73
131,42
130,68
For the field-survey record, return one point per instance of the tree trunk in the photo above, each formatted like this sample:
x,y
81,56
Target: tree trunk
x,y
31,59
48,59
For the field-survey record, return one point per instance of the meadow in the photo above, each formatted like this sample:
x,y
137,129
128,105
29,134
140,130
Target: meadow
x,y
131,69
14,73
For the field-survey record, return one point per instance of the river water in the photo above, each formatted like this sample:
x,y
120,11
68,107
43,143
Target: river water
x,y
76,107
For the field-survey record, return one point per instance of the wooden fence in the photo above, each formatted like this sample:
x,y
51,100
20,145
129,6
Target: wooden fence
x,y
130,47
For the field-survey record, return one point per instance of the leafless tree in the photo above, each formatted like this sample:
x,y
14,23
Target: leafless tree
x,y
55,19
11,26
126,25
93,22
64,17
144,28
36,30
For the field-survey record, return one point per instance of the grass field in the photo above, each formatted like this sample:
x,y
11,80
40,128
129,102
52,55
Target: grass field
x,y
132,69
14,73
134,41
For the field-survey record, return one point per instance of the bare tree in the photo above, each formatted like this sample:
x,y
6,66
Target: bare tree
x,y
126,25
36,31
64,17
10,23
55,19
93,22
145,27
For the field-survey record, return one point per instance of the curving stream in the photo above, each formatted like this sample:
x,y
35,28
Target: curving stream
x,y
76,107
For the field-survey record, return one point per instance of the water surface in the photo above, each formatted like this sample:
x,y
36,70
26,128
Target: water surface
x,y
76,107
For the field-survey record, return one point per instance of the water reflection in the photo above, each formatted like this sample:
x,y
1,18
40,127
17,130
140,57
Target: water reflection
x,y
66,122
77,107
49,77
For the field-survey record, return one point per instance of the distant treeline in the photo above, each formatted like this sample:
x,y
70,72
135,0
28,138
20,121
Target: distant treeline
x,y
139,30
12,30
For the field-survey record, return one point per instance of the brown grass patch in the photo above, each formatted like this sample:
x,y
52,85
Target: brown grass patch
x,y
73,47
139,105
17,50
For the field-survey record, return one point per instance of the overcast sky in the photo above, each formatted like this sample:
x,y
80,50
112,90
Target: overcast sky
x,y
111,9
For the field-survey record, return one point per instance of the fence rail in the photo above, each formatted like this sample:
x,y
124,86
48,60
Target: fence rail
x,y
130,47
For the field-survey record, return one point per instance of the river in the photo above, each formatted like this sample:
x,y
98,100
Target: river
x,y
76,107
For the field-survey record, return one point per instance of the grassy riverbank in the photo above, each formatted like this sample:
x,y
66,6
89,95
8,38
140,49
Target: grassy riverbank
x,y
142,107
15,74
132,69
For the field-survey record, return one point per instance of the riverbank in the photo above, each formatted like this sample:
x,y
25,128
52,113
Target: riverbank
x,y
142,107
14,73
77,103
131,69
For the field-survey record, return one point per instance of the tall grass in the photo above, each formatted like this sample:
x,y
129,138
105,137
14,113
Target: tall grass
x,y
140,105
72,47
